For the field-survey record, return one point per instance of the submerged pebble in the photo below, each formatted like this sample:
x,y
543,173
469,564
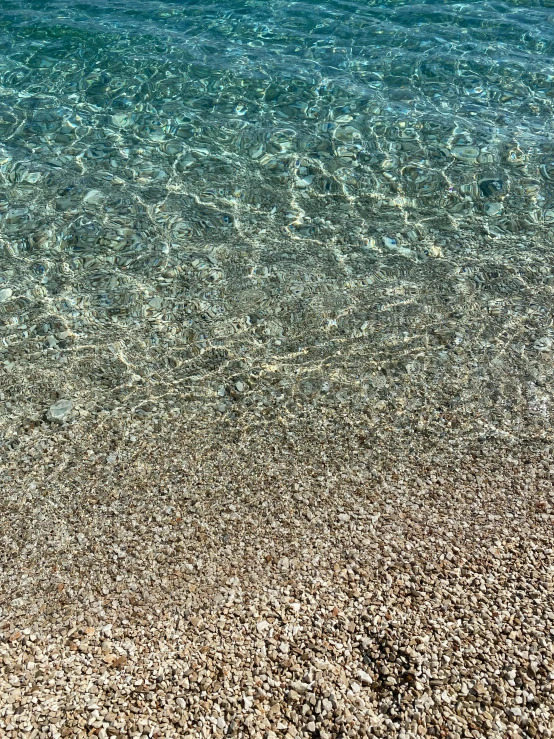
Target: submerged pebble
x,y
60,410
493,209
466,153
490,187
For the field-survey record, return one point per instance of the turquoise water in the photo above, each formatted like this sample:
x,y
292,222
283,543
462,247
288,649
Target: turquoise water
x,y
259,202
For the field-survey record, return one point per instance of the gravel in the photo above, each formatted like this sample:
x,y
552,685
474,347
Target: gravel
x,y
325,575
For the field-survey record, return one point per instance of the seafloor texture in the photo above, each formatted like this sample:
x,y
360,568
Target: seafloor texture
x,y
276,361
205,200
317,576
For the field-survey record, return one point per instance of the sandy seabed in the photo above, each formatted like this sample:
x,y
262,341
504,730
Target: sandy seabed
x,y
325,574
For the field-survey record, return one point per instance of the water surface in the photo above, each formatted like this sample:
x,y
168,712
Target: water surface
x,y
256,203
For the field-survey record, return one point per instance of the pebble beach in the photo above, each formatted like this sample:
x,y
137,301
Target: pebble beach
x,y
276,369
322,575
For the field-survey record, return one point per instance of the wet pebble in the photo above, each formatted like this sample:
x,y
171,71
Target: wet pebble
x,y
493,209
60,410
490,187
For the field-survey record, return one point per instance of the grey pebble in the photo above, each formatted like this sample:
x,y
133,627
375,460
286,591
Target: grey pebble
x,y
60,410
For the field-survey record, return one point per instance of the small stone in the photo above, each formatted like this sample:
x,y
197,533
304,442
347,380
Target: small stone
x,y
60,410
305,181
240,386
155,302
493,209
93,197
311,727
544,344
466,153
490,187
5,294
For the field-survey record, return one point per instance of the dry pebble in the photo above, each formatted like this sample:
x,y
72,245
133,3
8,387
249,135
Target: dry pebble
x,y
317,576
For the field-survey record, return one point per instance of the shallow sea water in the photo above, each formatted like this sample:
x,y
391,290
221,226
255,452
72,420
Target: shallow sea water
x,y
264,203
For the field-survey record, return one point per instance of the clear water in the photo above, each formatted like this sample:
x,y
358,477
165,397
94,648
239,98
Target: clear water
x,y
253,202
